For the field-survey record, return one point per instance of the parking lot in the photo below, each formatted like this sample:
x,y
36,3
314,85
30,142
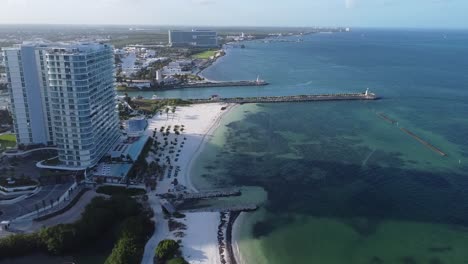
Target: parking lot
x,y
48,193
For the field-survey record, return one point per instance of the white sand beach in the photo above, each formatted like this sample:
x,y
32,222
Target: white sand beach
x,y
199,242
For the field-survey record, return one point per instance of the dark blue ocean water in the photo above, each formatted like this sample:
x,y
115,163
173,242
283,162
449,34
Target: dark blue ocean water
x,y
345,185
392,63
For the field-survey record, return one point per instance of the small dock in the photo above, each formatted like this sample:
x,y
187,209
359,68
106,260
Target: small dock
x,y
223,209
210,194
289,99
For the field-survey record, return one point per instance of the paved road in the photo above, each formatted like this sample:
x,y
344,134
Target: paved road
x,y
48,192
70,216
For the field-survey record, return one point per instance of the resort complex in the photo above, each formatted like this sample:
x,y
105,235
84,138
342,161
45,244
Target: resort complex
x,y
144,144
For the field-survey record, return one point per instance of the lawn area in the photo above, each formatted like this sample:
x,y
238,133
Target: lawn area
x,y
7,141
205,55
152,106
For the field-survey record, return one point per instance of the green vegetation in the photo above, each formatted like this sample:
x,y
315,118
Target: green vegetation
x,y
8,137
127,89
119,219
205,54
143,38
7,141
149,73
119,190
168,251
153,106
130,247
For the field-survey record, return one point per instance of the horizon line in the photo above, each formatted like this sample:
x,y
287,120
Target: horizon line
x,y
232,26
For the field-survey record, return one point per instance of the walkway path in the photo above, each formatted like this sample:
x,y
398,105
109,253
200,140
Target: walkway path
x,y
161,229
70,216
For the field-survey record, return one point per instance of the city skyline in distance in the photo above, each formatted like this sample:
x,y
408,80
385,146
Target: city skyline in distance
x,y
206,13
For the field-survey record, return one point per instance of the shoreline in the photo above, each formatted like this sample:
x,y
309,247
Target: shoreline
x,y
199,241
236,233
232,231
209,133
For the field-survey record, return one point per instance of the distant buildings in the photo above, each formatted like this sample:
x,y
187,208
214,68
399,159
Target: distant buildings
x,y
140,84
194,38
179,67
64,95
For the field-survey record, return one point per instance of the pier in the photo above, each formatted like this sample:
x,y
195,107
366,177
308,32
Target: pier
x,y
422,141
223,209
289,99
210,194
223,84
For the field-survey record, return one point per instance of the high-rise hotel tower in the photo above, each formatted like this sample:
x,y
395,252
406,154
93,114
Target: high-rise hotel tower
x,y
64,95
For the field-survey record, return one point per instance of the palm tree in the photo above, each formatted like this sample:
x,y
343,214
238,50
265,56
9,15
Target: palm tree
x,y
173,111
167,112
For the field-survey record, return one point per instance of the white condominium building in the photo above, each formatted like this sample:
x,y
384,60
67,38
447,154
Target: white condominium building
x,y
64,95
27,78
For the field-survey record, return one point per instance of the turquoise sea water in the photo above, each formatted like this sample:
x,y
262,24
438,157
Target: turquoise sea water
x,y
343,184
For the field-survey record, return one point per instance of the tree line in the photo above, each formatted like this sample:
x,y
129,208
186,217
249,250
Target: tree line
x,y
121,216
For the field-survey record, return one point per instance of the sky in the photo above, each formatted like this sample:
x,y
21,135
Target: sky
x,y
351,13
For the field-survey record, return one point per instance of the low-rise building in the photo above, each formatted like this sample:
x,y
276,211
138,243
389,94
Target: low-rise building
x,y
140,84
136,126
122,158
180,67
